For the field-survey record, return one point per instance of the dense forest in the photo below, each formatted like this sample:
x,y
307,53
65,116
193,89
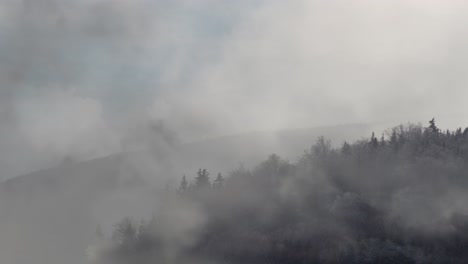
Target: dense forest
x,y
397,198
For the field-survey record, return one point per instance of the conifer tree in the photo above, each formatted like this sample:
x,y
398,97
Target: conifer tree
x,y
382,140
374,142
218,183
432,126
346,148
183,184
202,180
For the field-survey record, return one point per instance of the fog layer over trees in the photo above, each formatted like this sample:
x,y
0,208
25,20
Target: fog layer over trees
x,y
396,198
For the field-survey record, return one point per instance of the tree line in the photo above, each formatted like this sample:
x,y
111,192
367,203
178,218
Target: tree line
x,y
399,198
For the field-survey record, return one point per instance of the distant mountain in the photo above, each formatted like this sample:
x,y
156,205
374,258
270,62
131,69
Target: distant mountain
x,y
50,216
226,153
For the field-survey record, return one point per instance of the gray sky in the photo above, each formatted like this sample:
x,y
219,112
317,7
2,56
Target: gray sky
x,y
77,76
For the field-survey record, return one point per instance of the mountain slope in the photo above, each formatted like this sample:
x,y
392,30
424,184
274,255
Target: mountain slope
x,y
50,216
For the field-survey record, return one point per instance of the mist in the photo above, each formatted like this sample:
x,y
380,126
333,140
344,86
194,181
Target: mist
x,y
106,104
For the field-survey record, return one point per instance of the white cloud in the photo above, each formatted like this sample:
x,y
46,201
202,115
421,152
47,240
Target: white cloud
x,y
303,63
208,68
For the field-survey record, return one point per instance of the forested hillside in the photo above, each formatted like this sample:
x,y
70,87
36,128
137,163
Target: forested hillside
x,y
397,198
52,213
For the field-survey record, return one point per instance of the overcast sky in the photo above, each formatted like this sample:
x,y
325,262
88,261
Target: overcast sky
x,y
76,76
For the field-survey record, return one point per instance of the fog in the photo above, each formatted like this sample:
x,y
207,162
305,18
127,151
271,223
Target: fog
x,y
141,92
77,74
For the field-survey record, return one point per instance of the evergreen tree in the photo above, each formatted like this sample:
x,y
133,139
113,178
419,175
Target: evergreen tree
x,y
432,126
202,180
322,147
183,184
373,141
394,139
346,148
382,140
125,234
218,183
465,132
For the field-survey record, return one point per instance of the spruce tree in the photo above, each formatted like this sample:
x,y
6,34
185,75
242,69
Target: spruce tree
x,y
202,180
218,183
432,126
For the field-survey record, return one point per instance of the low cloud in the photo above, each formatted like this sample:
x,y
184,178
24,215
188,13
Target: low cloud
x,y
208,69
